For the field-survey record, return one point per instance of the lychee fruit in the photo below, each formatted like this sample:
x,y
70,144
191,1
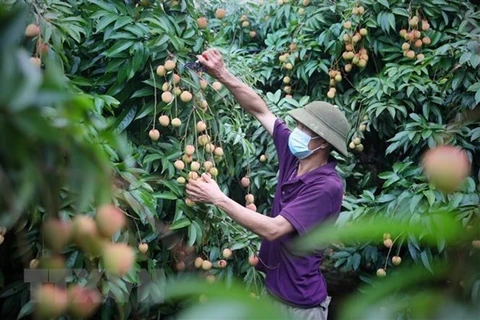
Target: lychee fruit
x,y
143,247
164,121
118,258
176,122
253,260
161,70
217,86
49,301
381,273
170,65
32,30
56,233
201,126
206,265
202,22
110,220
186,96
83,302
220,13
179,165
245,182
167,97
227,253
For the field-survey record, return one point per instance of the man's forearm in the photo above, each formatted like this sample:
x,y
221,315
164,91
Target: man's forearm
x,y
246,96
257,223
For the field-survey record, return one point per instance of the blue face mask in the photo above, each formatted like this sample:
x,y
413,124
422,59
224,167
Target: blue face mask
x,y
298,144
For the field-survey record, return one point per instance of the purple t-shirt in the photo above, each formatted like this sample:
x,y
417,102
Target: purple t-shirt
x,y
305,201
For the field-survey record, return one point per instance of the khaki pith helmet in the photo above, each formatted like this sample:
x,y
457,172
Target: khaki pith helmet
x,y
325,120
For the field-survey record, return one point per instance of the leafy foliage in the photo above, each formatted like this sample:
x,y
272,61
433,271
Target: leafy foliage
x,y
75,133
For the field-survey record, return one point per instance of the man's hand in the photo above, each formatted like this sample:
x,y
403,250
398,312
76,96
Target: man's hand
x,y
213,62
204,190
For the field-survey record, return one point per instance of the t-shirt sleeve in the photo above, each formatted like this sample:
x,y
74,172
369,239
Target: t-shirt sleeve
x,y
311,207
281,133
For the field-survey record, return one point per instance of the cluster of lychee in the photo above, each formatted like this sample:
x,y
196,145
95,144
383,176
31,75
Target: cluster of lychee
x,y
285,64
414,38
32,31
356,142
335,78
206,265
77,301
301,10
245,24
92,235
172,90
249,198
213,155
288,66
355,53
183,256
396,260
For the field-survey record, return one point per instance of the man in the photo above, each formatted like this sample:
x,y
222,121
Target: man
x,y
309,192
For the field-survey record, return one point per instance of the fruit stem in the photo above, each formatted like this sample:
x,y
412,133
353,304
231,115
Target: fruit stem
x,y
186,125
155,96
128,215
195,131
138,230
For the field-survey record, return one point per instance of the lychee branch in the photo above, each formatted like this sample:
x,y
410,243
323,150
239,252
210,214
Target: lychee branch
x,y
390,250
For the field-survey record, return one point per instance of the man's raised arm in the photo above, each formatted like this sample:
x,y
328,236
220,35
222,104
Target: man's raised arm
x,y
246,97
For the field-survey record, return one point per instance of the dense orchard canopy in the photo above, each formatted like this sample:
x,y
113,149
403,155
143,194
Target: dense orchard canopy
x,y
105,115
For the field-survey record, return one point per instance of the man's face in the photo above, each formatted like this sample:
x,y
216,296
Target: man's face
x,y
315,143
306,130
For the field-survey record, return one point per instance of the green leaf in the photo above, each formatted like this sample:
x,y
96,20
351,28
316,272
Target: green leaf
x,y
13,288
72,259
426,256
118,48
238,246
143,92
192,235
430,195
400,12
122,21
384,3
105,21
441,244
167,195
105,5
356,258
125,119
26,310
182,223
134,204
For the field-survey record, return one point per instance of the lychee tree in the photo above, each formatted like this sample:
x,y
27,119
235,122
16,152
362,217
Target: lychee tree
x,y
131,69
133,61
